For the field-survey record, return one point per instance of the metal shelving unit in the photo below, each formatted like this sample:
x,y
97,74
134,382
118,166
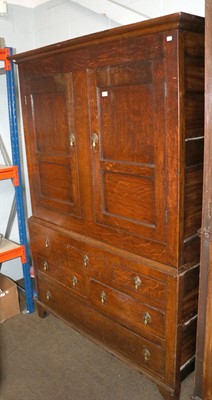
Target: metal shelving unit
x,y
9,249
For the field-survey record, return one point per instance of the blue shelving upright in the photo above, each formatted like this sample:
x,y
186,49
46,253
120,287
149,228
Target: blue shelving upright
x,y
11,94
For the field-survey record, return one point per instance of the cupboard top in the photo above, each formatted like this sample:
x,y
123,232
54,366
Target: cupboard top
x,y
174,21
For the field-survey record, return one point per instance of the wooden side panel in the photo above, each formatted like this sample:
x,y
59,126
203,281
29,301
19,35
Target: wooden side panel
x,y
194,137
190,294
203,373
193,200
172,332
188,341
188,297
207,368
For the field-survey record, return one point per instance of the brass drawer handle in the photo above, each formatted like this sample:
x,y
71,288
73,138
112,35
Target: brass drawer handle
x,y
72,140
94,141
137,282
74,281
47,243
147,319
85,260
146,354
45,265
103,297
48,295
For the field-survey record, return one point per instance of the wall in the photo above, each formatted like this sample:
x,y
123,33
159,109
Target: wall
x,y
157,8
57,20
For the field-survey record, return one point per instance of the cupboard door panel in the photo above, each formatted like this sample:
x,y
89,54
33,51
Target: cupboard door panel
x,y
50,107
129,155
118,126
128,196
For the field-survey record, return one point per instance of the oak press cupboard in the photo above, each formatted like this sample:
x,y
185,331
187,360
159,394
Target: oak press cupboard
x,y
114,133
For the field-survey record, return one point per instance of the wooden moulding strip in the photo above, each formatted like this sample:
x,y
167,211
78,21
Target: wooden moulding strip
x,y
9,172
10,250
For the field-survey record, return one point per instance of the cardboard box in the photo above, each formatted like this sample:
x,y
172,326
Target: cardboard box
x,y
9,301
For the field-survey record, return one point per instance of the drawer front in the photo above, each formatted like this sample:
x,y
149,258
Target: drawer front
x,y
128,311
133,278
73,280
47,242
77,259
86,260
121,341
139,286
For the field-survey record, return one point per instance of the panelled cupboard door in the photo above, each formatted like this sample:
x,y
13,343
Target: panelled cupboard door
x,y
52,139
102,131
128,145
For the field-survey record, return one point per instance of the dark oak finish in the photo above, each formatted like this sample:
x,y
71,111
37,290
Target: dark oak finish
x,y
203,373
114,132
207,370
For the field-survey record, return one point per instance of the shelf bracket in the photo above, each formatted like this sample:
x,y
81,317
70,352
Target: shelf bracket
x,y
4,53
11,172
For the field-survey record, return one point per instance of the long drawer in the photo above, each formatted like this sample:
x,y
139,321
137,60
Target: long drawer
x,y
137,284
63,257
120,307
142,352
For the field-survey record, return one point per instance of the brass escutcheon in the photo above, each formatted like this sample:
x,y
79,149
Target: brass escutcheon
x,y
94,140
72,140
47,243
